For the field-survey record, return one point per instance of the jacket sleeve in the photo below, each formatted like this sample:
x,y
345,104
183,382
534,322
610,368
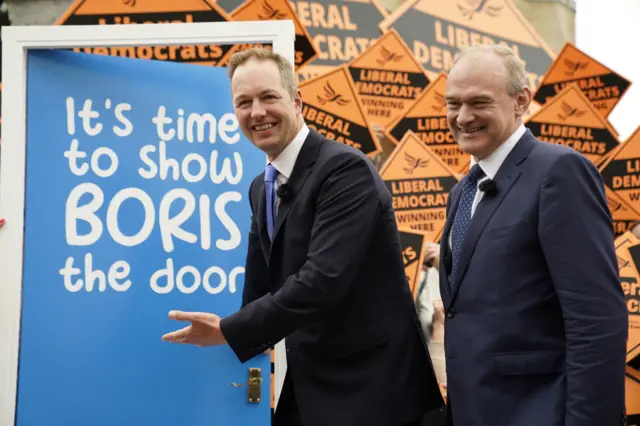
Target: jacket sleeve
x,y
576,235
347,208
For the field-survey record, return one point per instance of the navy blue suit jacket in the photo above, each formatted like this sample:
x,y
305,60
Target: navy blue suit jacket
x,y
536,324
333,283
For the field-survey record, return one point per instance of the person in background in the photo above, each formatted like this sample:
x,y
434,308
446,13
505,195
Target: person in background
x,y
324,270
431,313
536,322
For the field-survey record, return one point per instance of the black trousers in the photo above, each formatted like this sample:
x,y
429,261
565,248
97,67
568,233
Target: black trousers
x,y
287,413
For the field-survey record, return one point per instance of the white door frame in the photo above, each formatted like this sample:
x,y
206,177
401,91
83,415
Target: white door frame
x,y
16,40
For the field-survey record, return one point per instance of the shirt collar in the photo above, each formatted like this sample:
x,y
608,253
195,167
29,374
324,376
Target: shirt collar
x,y
492,162
287,159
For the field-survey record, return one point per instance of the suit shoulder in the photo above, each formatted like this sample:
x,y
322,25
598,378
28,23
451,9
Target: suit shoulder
x,y
555,161
334,153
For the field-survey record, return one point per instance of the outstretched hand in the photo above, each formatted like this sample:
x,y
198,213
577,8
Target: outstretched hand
x,y
204,329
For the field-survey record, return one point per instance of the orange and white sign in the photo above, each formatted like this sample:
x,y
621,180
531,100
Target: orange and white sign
x,y
436,29
602,86
570,119
388,78
419,183
268,10
623,214
413,246
341,31
331,106
628,254
621,171
427,119
129,12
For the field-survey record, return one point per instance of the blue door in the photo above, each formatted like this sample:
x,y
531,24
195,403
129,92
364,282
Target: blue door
x,y
136,204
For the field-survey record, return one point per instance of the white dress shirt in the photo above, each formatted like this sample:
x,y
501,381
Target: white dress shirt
x,y
286,160
491,164
284,164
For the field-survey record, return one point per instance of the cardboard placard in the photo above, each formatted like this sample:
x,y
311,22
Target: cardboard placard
x,y
128,12
331,106
435,30
621,171
413,246
570,119
602,86
632,390
419,183
623,214
628,254
388,78
268,10
341,31
427,119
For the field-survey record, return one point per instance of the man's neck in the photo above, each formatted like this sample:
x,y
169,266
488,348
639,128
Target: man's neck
x,y
300,123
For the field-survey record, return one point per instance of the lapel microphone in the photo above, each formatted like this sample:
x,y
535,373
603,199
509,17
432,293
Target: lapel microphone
x,y
489,187
284,192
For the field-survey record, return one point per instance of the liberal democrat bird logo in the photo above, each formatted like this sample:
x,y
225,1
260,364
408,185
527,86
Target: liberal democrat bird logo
x,y
570,111
622,263
574,66
271,13
387,55
440,102
413,163
131,3
615,205
478,7
330,95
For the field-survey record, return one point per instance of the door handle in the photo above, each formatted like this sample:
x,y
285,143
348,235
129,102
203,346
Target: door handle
x,y
253,385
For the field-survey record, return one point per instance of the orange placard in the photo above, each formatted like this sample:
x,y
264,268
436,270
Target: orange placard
x,y
622,213
127,12
413,246
427,119
602,86
621,171
570,119
436,29
419,183
628,254
388,78
341,30
331,106
268,10
632,391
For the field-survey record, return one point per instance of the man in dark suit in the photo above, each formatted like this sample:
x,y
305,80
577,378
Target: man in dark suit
x,y
536,322
324,269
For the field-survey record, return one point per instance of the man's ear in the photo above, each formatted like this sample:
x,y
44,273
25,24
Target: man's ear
x,y
523,100
298,101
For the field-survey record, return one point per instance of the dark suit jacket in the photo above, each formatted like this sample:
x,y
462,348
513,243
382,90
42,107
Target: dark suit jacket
x,y
536,323
333,283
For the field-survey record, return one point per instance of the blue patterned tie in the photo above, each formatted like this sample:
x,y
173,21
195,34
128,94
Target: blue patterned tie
x,y
270,174
463,214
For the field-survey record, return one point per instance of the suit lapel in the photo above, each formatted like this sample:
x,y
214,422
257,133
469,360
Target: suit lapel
x,y
445,253
301,170
507,175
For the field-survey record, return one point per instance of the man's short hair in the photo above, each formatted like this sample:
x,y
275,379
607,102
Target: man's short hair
x,y
287,76
516,72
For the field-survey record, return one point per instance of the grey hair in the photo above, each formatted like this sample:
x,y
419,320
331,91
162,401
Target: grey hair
x,y
516,72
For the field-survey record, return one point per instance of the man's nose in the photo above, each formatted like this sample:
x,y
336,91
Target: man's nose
x,y
257,110
465,116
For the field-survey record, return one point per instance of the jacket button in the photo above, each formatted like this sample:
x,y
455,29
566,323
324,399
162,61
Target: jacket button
x,y
451,313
